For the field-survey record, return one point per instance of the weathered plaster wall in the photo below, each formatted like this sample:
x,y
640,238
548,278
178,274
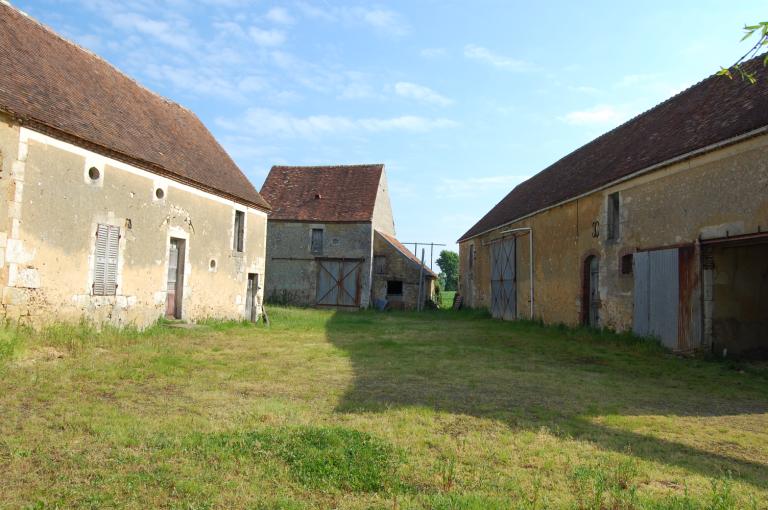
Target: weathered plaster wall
x,y
9,146
383,219
292,267
714,195
49,255
401,268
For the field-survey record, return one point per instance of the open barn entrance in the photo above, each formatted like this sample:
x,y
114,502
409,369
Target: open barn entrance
x,y
736,296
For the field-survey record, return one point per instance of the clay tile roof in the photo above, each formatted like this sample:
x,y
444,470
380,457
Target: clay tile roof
x,y
406,252
712,111
323,193
54,86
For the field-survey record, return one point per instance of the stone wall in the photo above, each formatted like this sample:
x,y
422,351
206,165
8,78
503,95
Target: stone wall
x,y
292,267
717,194
398,267
53,210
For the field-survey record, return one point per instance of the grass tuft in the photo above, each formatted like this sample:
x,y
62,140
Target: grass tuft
x,y
321,458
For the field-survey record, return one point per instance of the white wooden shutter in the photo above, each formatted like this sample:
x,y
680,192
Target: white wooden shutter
x,y
105,267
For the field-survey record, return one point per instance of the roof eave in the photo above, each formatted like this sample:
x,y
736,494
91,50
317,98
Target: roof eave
x,y
47,129
658,166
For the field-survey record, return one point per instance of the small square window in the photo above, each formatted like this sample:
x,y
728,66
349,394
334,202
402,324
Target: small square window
x,y
394,288
626,263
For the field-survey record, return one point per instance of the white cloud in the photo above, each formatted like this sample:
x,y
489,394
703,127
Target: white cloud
x,y
599,115
162,31
280,16
477,186
421,93
382,20
482,54
433,52
265,122
267,37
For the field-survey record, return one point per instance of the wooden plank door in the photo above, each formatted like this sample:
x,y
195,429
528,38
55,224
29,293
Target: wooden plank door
x,y
338,282
503,279
251,298
175,281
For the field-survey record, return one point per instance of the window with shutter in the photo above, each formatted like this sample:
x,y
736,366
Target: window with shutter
x,y
105,266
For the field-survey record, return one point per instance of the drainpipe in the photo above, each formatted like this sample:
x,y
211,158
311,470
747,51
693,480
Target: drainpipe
x,y
529,230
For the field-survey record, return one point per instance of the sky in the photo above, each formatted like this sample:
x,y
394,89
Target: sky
x,y
460,100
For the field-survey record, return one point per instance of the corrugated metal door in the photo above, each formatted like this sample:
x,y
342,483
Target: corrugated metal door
x,y
503,279
657,295
338,282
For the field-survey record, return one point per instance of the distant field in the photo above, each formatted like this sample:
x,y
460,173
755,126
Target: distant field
x,y
437,410
446,298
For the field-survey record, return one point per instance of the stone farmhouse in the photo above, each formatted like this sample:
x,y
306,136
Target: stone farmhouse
x,y
116,205
658,226
331,240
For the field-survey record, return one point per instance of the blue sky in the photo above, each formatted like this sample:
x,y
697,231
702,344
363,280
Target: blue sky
x,y
461,100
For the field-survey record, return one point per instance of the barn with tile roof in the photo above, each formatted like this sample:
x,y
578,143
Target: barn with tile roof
x,y
116,205
331,241
658,227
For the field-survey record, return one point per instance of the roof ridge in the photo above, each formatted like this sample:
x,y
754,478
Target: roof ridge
x,y
354,165
92,54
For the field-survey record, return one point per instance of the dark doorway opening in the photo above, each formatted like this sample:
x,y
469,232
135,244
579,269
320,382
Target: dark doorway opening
x,y
739,294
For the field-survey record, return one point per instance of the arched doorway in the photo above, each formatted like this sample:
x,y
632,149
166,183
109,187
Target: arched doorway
x,y
590,301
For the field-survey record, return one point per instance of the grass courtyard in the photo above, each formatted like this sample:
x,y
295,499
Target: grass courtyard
x,y
438,410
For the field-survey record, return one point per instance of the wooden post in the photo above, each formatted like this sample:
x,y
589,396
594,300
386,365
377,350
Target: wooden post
x,y
420,303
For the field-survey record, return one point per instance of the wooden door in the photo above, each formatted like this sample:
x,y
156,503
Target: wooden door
x,y
175,283
251,298
338,282
591,293
503,279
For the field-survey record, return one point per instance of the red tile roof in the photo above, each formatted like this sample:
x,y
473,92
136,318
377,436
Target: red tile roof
x,y
406,252
323,193
54,86
712,111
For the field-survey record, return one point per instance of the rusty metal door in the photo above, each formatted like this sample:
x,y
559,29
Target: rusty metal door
x,y
251,298
338,282
175,283
657,295
503,279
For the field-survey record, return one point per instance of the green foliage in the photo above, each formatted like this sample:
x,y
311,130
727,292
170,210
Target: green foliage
x,y
737,68
448,261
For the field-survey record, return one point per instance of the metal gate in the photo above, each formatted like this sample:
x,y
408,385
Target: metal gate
x,y
503,279
657,295
338,282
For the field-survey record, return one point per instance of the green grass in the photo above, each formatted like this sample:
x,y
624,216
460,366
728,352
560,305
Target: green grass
x,y
446,299
438,410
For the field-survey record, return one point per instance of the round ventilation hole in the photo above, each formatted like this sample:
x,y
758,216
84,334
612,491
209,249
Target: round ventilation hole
x,y
212,264
159,193
93,173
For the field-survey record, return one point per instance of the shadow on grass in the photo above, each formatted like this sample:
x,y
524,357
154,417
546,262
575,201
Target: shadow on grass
x,y
529,376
